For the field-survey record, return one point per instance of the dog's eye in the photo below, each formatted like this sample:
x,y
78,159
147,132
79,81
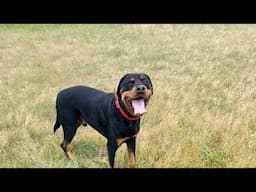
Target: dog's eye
x,y
144,80
131,82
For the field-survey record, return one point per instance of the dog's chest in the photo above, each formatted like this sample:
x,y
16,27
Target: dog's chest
x,y
128,130
121,140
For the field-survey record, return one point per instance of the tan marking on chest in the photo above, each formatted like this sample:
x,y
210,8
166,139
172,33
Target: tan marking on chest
x,y
119,141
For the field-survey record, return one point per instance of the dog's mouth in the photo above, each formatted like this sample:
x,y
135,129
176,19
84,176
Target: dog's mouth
x,y
138,105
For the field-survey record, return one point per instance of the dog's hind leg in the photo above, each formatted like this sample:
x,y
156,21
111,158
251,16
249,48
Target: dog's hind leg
x,y
69,133
69,128
80,121
65,146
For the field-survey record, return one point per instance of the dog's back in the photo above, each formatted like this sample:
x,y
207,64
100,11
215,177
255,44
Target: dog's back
x,y
74,100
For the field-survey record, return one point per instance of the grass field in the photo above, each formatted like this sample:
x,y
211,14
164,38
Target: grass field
x,y
202,113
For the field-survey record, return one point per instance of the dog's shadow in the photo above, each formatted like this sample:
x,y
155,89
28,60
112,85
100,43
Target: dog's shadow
x,y
89,153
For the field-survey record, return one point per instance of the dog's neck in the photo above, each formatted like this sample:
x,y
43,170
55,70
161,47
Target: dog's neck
x,y
121,110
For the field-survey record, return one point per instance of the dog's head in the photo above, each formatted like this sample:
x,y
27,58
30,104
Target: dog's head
x,y
135,90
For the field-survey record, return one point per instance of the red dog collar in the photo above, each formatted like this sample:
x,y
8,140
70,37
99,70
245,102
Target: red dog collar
x,y
122,111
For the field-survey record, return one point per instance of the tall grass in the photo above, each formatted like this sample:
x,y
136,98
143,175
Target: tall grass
x,y
202,113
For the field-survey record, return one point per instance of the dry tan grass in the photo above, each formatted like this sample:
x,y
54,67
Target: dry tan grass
x,y
202,113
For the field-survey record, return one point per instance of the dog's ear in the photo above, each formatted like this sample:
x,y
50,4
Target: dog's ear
x,y
119,84
150,82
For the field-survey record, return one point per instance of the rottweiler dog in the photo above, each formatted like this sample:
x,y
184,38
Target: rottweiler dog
x,y
114,115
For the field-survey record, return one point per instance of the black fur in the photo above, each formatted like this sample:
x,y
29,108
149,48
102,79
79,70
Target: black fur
x,y
98,109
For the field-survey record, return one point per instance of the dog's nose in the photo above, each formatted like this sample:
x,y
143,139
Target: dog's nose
x,y
140,88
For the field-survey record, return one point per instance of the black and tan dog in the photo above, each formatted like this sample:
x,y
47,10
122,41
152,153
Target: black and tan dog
x,y
114,115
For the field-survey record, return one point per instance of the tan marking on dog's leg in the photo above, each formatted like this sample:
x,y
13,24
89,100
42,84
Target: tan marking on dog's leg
x,y
119,141
69,155
131,144
66,148
131,158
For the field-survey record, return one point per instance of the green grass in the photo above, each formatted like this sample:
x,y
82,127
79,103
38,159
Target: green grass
x,y
202,113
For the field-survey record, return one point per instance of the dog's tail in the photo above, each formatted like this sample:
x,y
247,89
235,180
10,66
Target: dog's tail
x,y
57,122
56,125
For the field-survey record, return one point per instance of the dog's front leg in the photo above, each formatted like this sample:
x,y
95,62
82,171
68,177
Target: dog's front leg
x,y
131,145
112,147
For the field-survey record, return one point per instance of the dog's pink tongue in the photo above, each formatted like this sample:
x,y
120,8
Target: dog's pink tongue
x,y
139,106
